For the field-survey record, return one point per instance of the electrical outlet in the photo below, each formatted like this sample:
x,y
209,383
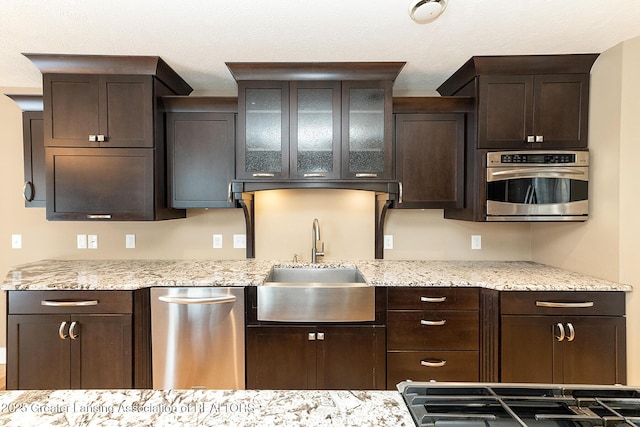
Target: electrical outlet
x,y
130,241
81,240
217,241
92,241
239,241
476,241
16,241
388,241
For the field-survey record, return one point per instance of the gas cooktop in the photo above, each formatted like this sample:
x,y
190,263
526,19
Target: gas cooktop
x,y
504,404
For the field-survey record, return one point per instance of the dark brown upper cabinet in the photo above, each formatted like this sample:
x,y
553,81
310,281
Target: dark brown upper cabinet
x,y
104,135
314,121
200,150
34,190
429,157
527,101
88,110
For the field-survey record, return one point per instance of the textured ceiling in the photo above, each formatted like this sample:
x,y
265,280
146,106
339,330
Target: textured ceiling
x,y
197,37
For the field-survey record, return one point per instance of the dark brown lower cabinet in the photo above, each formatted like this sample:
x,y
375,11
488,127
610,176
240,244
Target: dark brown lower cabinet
x,y
316,357
563,337
533,352
98,358
59,340
433,333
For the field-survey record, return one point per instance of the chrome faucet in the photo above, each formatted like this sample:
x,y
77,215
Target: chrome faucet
x,y
315,237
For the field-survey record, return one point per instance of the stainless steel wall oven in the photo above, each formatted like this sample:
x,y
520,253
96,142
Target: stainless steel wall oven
x,y
537,186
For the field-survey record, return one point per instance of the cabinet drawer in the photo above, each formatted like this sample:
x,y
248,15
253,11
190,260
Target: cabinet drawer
x,y
563,303
70,302
455,366
432,330
436,298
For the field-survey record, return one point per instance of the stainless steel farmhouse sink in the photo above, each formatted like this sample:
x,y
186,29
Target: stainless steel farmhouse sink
x,y
322,276
316,294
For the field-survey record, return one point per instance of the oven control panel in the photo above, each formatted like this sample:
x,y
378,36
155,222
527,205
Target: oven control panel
x,y
533,158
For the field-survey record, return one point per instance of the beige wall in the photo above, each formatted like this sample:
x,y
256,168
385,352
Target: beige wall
x,y
283,225
606,246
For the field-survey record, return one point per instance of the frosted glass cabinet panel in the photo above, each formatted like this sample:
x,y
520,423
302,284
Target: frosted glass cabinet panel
x,y
315,130
263,131
367,130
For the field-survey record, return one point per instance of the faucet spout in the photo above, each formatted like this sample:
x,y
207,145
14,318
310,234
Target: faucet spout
x,y
315,238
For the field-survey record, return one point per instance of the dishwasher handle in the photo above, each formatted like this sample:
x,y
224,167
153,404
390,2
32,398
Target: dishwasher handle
x,y
197,300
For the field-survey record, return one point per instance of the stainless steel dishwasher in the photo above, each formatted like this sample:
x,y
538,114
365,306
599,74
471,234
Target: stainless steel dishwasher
x,y
197,338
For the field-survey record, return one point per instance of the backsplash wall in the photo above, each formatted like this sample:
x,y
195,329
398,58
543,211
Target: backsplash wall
x,y
283,225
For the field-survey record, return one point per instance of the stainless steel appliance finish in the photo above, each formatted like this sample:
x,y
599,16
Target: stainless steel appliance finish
x,y
316,295
197,338
504,404
537,186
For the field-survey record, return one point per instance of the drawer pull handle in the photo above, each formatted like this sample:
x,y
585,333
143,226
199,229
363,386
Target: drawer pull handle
x,y
432,322
552,304
263,175
366,175
72,332
572,332
192,300
31,195
61,333
433,363
315,175
99,216
561,336
84,303
433,299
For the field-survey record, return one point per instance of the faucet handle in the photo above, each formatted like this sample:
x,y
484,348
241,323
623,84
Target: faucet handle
x,y
321,253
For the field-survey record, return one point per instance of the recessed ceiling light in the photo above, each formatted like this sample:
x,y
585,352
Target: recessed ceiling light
x,y
423,11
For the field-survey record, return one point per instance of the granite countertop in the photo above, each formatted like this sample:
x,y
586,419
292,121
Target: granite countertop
x,y
203,408
55,274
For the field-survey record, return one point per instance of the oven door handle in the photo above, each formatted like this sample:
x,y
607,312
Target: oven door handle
x,y
536,172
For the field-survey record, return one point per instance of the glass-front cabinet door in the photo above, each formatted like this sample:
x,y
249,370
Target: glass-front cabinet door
x,y
315,130
263,132
367,130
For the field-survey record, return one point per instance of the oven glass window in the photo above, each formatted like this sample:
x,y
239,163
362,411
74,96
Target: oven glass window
x,y
537,190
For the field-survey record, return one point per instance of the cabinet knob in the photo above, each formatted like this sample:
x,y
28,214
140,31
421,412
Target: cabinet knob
x,y
320,336
93,138
101,138
531,138
312,336
539,138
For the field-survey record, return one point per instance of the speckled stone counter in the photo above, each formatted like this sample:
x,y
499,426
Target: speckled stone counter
x,y
136,274
203,408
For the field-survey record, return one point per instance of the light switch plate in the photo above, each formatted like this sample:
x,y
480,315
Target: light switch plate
x,y
16,241
81,240
388,241
239,241
92,241
130,241
476,241
217,241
